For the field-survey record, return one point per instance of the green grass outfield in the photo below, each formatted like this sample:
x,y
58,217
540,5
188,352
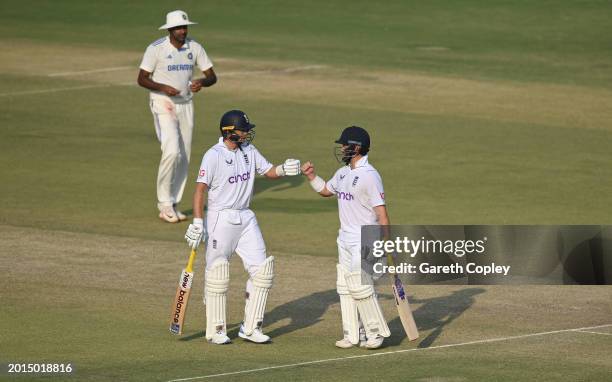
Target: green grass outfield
x,y
481,112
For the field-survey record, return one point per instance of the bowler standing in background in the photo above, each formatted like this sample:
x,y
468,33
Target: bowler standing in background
x,y
167,70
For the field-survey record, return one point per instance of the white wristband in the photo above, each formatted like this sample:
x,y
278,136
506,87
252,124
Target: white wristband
x,y
198,221
280,171
317,184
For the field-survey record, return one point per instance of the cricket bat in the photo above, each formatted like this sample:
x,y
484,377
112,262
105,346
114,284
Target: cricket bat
x,y
179,306
403,307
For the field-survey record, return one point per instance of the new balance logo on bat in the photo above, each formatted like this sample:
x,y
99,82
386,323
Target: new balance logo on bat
x,y
179,306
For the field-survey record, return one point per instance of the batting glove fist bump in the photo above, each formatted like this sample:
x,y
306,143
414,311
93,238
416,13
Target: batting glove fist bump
x,y
195,233
291,167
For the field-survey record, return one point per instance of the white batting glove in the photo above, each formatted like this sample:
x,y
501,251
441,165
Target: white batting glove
x,y
196,233
291,167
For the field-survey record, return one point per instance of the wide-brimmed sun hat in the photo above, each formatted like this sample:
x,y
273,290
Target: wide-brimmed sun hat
x,y
176,19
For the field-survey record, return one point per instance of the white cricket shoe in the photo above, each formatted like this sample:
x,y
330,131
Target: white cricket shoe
x,y
181,216
219,338
374,342
167,214
344,344
257,336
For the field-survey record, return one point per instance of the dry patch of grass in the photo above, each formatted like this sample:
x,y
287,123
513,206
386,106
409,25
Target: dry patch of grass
x,y
397,91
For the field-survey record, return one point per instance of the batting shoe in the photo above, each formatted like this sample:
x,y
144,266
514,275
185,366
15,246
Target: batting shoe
x,y
344,344
257,336
181,216
168,214
220,338
374,342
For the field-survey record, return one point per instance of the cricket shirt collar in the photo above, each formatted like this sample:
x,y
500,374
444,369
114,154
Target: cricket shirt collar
x,y
361,162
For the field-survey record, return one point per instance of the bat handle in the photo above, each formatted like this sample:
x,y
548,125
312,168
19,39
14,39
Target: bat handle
x,y
392,263
192,257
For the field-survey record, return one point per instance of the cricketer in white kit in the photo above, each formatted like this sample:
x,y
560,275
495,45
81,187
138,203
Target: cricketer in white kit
x,y
167,71
227,174
361,201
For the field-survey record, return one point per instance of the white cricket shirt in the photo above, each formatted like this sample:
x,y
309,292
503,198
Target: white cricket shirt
x,y
174,67
230,175
358,191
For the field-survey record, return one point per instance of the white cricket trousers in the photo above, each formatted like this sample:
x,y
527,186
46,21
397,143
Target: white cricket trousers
x,y
174,128
349,254
237,231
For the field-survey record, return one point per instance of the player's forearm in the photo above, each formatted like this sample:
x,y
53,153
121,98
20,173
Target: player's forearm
x,y
274,173
326,193
148,83
381,215
210,78
208,81
318,184
199,201
383,219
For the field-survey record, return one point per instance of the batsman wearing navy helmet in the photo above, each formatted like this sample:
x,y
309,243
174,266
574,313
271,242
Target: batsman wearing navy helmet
x,y
225,182
361,201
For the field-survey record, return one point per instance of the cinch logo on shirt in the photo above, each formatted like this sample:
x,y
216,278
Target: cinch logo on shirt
x,y
240,178
175,68
345,196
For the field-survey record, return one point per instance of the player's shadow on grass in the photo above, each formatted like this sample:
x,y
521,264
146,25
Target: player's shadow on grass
x,y
434,313
302,312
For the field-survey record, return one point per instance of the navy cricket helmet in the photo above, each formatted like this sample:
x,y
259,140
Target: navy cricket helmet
x,y
236,120
350,138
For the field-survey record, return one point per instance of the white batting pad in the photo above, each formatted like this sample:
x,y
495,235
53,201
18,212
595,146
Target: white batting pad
x,y
215,289
256,302
367,305
348,307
